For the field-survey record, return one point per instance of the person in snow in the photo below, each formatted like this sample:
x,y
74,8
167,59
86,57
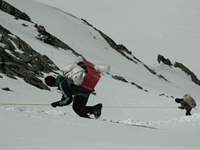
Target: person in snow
x,y
72,92
187,103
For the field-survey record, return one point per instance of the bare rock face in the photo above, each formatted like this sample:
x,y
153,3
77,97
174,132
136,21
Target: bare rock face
x,y
188,72
18,59
6,7
161,58
48,38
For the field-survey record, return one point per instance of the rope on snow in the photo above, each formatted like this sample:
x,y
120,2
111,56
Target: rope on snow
x,y
26,104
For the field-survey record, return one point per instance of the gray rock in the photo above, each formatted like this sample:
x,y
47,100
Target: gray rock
x,y
27,64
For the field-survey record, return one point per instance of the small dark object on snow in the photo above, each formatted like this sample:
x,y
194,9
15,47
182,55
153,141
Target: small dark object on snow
x,y
6,89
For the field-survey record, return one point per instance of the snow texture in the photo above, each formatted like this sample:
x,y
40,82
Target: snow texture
x,y
131,118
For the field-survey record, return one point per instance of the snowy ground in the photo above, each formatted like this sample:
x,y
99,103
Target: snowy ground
x,y
131,118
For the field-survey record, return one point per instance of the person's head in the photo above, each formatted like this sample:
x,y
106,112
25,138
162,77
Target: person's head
x,y
178,100
50,81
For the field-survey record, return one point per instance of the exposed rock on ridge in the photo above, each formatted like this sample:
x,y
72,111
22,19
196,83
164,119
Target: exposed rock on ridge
x,y
194,78
18,59
6,7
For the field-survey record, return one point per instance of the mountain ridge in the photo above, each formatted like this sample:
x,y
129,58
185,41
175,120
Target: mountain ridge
x,y
52,40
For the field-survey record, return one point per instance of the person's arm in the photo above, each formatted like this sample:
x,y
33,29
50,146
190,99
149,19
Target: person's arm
x,y
66,97
183,104
63,102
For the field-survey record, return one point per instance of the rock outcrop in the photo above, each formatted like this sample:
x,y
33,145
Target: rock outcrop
x,y
194,78
18,59
6,7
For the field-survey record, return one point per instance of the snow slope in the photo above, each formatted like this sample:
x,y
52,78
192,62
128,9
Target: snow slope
x,y
131,118
167,27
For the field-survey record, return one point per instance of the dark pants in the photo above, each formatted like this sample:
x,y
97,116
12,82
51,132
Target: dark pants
x,y
79,105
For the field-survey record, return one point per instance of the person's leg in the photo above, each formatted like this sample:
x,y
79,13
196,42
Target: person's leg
x,y
188,112
97,110
79,106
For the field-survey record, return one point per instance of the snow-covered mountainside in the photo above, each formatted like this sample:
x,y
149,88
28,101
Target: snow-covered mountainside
x,y
139,111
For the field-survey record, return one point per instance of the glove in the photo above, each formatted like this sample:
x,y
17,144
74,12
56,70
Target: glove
x,y
181,107
55,104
